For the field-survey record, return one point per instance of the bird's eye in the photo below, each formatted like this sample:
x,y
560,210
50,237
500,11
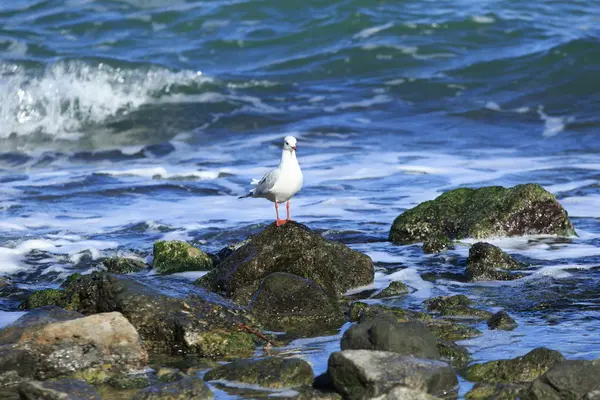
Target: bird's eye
x,y
287,143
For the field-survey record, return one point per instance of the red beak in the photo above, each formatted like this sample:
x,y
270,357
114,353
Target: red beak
x,y
294,148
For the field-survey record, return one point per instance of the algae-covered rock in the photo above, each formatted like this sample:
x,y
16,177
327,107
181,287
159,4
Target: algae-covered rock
x,y
185,389
286,302
123,265
383,332
487,262
206,325
295,249
486,212
359,310
437,244
164,374
520,369
395,288
449,330
501,320
44,297
497,391
177,256
63,389
456,355
361,374
129,381
571,379
457,306
270,372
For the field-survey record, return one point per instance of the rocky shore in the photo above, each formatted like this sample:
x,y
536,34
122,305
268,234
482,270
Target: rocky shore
x,y
108,335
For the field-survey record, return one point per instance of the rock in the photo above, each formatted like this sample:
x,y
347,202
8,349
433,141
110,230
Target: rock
x,y
295,249
206,325
517,370
169,374
45,297
402,393
484,261
360,374
449,330
395,288
486,212
39,316
185,389
286,302
177,256
63,389
122,265
498,391
572,379
384,333
437,244
230,248
270,372
132,381
16,365
313,394
457,306
501,320
456,355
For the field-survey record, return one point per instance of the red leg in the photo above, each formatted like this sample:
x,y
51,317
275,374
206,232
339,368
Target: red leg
x,y
279,222
287,206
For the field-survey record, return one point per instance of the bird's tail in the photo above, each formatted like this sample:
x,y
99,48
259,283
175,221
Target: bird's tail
x,y
250,193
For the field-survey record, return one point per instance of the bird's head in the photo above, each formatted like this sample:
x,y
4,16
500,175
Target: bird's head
x,y
289,143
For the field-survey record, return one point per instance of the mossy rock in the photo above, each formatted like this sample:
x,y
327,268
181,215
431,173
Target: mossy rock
x,y
68,389
122,265
45,297
134,381
487,262
498,391
395,288
449,330
185,389
517,370
164,374
270,372
456,306
177,256
360,310
222,343
437,244
501,320
458,356
492,211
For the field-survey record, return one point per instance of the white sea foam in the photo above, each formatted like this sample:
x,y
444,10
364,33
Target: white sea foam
x,y
366,33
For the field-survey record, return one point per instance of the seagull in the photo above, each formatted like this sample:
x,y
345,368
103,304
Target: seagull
x,y
281,183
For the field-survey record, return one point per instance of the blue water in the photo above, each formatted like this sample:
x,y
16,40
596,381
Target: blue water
x,y
124,122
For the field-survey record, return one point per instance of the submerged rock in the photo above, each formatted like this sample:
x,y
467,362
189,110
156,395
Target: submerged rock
x,y
360,374
572,379
185,389
484,263
44,297
449,330
501,320
384,333
286,302
395,288
177,256
497,391
437,244
520,369
123,265
456,355
486,212
295,249
63,389
458,306
270,372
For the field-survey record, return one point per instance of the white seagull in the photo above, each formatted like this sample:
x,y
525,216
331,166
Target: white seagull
x,y
281,183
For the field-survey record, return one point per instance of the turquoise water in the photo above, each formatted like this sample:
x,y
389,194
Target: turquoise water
x,y
124,122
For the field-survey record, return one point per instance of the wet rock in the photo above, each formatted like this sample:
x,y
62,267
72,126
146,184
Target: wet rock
x,y
286,302
456,355
572,379
360,374
484,263
177,256
230,248
208,326
131,381
270,372
185,389
498,391
501,320
402,393
313,394
359,310
295,249
456,306
169,374
37,317
384,333
11,291
395,288
520,369
448,330
63,389
45,297
123,265
485,212
16,365
437,244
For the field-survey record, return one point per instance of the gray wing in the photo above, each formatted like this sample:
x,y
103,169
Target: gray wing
x,y
266,183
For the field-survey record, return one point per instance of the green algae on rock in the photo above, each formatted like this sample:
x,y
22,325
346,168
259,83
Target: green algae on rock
x,y
395,288
437,244
521,369
498,391
571,379
484,261
177,256
295,249
123,265
458,306
492,211
45,297
185,389
501,320
270,372
456,355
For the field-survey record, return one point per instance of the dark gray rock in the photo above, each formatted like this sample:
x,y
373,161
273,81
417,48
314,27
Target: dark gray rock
x,y
384,333
437,244
572,379
63,389
185,389
487,262
362,374
123,265
395,288
501,320
456,306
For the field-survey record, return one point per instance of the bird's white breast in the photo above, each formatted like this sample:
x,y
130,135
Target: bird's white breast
x,y
288,183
